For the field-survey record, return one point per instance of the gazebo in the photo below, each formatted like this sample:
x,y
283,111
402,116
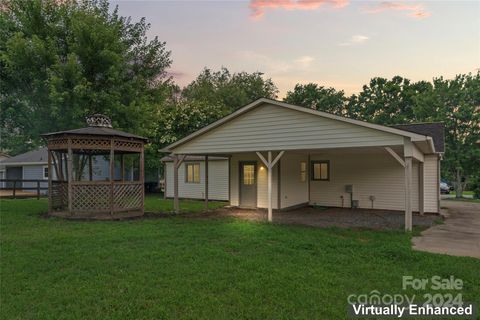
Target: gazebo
x,y
75,190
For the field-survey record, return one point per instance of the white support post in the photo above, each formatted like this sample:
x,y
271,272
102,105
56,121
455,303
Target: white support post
x,y
421,189
177,161
270,164
408,193
206,183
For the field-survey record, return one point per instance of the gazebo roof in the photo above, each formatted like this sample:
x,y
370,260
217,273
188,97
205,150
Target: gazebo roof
x,y
99,125
96,131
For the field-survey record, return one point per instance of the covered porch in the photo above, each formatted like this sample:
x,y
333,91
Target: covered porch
x,y
283,157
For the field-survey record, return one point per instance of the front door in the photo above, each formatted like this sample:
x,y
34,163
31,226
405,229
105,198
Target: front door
x,y
248,184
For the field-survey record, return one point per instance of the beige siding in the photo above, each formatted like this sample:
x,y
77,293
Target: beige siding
x,y
217,181
262,196
270,127
431,183
371,174
293,190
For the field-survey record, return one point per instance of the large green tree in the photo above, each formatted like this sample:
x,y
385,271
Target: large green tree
x,y
230,90
63,60
317,97
386,101
456,103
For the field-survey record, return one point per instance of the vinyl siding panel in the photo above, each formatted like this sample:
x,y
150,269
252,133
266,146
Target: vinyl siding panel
x,y
262,180
217,181
34,172
292,190
371,174
269,127
431,185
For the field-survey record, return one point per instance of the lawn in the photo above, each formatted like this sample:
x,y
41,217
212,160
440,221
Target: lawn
x,y
156,203
200,268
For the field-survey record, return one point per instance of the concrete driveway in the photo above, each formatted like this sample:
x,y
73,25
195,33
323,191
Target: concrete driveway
x,y
458,236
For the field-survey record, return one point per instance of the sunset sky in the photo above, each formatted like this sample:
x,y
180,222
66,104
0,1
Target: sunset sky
x,y
338,43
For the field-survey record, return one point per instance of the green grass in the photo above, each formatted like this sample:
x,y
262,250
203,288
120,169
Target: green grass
x,y
185,268
462,199
156,203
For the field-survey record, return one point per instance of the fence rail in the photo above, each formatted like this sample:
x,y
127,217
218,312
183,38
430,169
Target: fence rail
x,y
14,185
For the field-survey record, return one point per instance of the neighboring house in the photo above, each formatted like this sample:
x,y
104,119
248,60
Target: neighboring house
x,y
321,159
3,156
191,178
32,165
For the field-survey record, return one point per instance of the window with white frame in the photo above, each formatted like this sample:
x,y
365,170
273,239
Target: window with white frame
x,y
192,174
45,172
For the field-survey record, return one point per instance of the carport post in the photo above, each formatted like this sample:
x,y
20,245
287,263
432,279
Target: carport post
x,y
270,165
421,189
177,161
206,183
270,168
408,193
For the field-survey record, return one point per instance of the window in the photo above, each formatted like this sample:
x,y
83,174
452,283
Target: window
x,y
192,173
45,172
321,170
303,171
248,174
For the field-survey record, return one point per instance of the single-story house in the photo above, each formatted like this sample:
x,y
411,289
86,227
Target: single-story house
x,y
32,165
191,178
282,156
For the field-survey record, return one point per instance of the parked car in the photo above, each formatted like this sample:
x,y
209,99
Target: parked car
x,y
444,188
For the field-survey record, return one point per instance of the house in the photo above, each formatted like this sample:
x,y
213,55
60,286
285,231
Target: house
x,y
32,165
283,156
3,156
191,178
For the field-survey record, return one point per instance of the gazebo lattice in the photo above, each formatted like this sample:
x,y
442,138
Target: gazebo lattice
x,y
76,191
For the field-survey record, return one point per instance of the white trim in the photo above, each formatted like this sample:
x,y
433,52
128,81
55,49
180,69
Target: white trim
x,y
396,156
413,136
19,164
43,172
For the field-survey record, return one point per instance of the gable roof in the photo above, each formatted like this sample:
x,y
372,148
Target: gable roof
x,y
261,101
39,156
436,130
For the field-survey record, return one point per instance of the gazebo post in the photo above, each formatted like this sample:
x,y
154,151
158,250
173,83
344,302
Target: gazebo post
x,y
90,169
142,177
49,164
70,176
122,160
112,173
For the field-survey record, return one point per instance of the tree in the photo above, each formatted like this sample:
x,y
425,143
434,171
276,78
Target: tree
x,y
456,103
61,61
182,117
232,91
317,97
387,102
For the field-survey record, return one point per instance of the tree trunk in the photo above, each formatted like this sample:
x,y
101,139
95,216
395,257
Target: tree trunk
x,y
458,184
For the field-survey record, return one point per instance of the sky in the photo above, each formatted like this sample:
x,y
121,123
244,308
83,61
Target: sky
x,y
335,43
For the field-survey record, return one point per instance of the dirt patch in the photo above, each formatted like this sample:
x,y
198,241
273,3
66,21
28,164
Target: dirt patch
x,y
328,217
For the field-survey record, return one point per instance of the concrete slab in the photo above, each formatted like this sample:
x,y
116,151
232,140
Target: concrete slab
x,y
458,236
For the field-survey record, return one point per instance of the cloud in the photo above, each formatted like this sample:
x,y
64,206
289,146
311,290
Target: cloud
x,y
304,62
258,7
416,11
354,40
275,66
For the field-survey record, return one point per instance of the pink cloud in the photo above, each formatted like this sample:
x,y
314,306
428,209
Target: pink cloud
x,y
416,11
258,6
